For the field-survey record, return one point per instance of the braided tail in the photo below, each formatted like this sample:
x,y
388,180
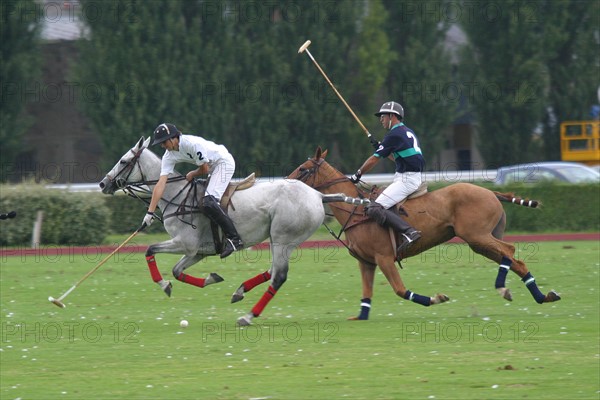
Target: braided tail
x,y
511,198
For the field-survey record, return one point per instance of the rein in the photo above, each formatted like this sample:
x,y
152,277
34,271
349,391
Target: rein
x,y
307,173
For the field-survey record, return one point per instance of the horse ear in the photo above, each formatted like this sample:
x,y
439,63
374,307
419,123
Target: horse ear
x,y
324,154
318,153
146,142
139,144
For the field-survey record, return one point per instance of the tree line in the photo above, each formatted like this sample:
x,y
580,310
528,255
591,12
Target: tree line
x,y
229,71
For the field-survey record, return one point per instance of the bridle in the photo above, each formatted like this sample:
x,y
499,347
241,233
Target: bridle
x,y
122,177
303,176
306,173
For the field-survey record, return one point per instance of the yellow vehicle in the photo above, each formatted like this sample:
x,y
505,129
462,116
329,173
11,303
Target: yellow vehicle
x,y
580,141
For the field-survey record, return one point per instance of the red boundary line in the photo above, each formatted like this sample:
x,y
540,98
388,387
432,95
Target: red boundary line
x,y
93,250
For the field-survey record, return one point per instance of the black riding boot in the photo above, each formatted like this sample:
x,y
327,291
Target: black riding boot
x,y
214,211
390,219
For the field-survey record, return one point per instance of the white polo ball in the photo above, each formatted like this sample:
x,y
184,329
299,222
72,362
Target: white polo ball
x,y
183,323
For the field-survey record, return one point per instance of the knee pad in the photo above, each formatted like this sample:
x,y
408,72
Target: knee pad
x,y
376,211
210,201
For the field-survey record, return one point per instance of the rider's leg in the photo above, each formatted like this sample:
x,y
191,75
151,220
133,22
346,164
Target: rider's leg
x,y
214,211
390,219
220,176
381,211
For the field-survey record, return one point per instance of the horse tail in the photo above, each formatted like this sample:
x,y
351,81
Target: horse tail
x,y
511,198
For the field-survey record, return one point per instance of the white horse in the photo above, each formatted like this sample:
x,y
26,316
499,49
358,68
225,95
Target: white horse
x,y
287,211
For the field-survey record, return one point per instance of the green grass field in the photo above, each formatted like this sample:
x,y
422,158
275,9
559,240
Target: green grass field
x,y
119,337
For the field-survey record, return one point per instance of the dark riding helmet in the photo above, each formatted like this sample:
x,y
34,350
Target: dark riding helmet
x,y
164,132
391,107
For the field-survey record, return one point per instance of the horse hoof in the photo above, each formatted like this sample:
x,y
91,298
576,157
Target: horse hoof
x,y
356,319
166,287
505,293
213,278
246,320
440,298
238,295
551,297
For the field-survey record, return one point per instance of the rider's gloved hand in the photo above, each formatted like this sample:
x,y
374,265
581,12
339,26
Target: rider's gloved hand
x,y
356,177
374,142
148,219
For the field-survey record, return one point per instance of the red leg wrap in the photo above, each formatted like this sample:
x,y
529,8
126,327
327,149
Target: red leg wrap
x,y
264,300
192,280
257,280
154,272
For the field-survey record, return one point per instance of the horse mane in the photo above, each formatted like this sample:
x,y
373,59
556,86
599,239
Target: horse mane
x,y
156,158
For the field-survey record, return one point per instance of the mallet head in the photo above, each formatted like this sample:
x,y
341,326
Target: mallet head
x,y
56,302
304,46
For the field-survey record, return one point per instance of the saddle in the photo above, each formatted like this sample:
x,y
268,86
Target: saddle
x,y
245,183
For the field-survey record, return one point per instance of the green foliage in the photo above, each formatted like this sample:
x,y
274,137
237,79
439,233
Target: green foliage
x,y
565,208
19,66
127,214
68,219
375,58
509,77
421,71
571,50
555,215
228,71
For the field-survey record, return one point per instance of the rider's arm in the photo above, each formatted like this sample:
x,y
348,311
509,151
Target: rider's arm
x,y
157,192
201,170
369,163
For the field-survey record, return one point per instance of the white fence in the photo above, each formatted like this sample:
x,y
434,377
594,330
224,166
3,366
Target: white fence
x,y
487,175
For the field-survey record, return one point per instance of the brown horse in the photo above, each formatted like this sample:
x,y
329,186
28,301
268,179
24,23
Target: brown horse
x,y
470,212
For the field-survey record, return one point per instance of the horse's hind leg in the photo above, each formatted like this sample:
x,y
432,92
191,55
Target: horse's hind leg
x,y
250,284
503,253
280,267
186,262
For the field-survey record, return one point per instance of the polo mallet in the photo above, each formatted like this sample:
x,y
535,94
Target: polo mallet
x,y
304,49
58,302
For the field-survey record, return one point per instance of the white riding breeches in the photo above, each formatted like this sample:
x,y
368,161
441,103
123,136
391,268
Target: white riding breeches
x,y
220,176
403,185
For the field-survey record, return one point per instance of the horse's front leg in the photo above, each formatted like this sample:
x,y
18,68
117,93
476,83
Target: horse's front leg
x,y
187,261
388,267
175,247
367,273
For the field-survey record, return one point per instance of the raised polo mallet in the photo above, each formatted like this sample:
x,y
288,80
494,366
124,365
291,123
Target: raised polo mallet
x,y
58,302
304,49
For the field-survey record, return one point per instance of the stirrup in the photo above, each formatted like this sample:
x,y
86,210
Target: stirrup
x,y
231,245
409,239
